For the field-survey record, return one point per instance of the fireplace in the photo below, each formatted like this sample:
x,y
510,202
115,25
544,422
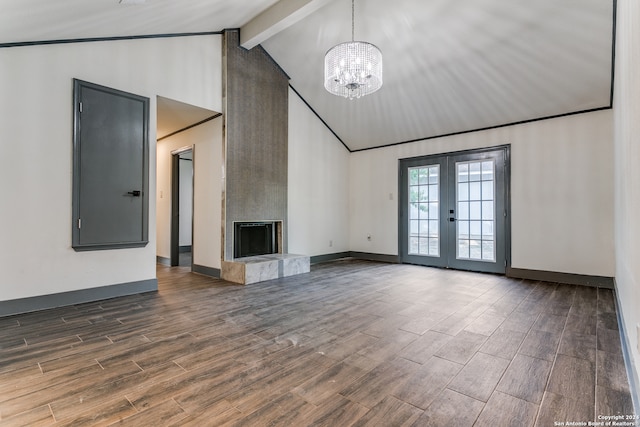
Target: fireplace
x,y
259,254
255,238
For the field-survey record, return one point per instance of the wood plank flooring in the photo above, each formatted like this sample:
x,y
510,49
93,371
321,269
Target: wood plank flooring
x,y
351,343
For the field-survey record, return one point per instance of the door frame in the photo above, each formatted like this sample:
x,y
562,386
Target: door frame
x,y
438,158
175,205
79,87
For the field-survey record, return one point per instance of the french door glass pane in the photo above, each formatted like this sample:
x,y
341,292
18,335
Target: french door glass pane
x,y
475,187
424,208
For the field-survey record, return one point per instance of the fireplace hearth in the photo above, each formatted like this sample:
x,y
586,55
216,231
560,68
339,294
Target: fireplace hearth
x,y
258,255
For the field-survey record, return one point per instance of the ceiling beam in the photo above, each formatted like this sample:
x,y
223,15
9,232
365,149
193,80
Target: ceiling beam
x,y
275,19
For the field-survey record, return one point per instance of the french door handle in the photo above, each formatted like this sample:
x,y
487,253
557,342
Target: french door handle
x,y
452,219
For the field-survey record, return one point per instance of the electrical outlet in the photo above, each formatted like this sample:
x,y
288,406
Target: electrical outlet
x,y
330,243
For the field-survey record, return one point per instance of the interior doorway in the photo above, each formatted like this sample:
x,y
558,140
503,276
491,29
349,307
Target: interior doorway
x,y
182,207
454,210
187,134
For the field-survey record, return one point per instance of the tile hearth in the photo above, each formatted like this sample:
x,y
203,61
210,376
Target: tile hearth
x,y
264,267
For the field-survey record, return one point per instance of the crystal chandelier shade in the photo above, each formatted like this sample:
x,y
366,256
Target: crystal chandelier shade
x,y
353,69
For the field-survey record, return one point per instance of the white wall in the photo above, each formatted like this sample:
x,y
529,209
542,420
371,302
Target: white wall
x,y
562,172
627,172
318,197
186,202
206,140
36,257
561,192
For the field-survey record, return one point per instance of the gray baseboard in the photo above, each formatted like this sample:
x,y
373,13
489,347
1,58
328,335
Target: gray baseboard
x,y
632,373
44,302
394,259
329,257
163,261
567,278
183,249
206,271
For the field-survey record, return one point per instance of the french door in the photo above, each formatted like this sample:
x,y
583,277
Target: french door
x,y
454,210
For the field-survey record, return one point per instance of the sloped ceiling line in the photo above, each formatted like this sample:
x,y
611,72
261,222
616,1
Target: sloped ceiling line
x,y
481,129
320,118
208,119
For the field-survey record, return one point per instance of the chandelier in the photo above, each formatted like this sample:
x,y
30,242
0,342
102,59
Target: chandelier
x,y
353,69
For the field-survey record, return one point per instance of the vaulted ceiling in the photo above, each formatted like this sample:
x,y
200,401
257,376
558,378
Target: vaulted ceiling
x,y
450,66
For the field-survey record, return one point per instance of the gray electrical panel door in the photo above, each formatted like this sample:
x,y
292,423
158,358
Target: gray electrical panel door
x,y
110,171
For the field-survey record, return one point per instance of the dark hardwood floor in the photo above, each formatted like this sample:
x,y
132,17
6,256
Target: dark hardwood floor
x,y
351,343
184,259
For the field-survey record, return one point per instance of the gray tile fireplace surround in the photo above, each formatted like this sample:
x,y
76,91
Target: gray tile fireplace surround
x,y
264,267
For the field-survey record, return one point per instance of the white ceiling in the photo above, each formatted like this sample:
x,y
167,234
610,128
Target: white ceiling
x,y
36,20
455,65
449,65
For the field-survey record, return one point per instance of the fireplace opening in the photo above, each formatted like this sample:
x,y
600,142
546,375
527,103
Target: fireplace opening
x,y
255,238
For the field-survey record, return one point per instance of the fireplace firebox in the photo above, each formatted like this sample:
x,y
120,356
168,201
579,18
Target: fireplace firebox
x,y
255,238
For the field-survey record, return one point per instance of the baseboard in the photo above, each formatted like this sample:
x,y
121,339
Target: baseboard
x,y
328,257
44,302
632,373
567,278
394,259
163,261
183,249
206,271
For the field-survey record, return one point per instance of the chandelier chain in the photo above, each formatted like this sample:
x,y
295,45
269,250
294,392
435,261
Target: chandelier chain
x,y
353,20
